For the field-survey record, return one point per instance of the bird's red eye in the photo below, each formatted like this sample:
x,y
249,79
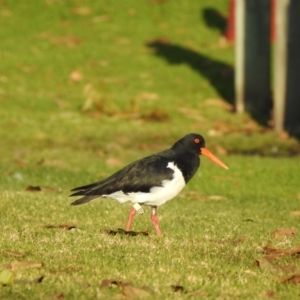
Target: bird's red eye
x,y
197,141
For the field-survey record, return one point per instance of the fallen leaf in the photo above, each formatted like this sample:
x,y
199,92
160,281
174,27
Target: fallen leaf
x,y
265,264
220,150
113,162
157,115
20,162
122,231
283,135
6,277
76,76
16,265
177,288
32,188
283,232
64,226
199,294
295,213
39,279
161,40
37,188
59,296
14,253
132,292
128,290
270,294
293,279
270,249
232,241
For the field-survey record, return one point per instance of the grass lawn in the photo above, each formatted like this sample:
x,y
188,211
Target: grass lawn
x,y
89,86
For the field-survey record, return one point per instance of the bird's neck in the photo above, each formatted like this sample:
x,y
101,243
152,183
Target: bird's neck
x,y
188,163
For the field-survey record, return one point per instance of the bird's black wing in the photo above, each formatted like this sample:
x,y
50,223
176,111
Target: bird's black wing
x,y
139,176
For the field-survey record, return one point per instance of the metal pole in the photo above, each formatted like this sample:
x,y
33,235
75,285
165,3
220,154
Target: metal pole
x,y
240,55
280,57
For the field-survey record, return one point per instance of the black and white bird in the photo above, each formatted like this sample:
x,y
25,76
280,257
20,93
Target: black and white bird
x,y
152,180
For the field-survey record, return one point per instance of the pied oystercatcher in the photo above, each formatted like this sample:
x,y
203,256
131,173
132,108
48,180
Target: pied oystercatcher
x,y
152,180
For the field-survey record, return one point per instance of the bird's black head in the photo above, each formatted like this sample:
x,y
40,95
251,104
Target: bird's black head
x,y
192,142
195,143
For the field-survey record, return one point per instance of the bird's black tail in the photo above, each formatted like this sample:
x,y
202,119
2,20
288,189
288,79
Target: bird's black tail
x,y
84,191
84,199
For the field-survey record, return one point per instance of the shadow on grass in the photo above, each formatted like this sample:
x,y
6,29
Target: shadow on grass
x,y
218,73
214,19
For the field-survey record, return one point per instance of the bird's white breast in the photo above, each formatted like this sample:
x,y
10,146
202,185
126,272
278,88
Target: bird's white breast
x,y
158,195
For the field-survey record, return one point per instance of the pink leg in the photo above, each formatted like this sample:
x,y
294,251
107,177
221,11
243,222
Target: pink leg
x,y
130,218
154,220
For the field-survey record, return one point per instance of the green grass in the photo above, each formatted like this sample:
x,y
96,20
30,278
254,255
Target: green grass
x,y
134,99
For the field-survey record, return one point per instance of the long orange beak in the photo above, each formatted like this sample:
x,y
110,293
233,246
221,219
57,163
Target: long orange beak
x,y
208,154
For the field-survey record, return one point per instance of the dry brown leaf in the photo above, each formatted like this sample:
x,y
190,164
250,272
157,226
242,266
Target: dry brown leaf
x,y
20,162
293,279
157,115
283,135
270,294
32,188
231,241
39,279
199,294
76,76
132,292
177,288
295,213
271,250
220,150
59,296
283,232
17,265
128,290
113,162
14,253
266,265
160,40
64,226
37,188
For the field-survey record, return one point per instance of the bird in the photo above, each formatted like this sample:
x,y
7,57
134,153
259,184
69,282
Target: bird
x,y
151,181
